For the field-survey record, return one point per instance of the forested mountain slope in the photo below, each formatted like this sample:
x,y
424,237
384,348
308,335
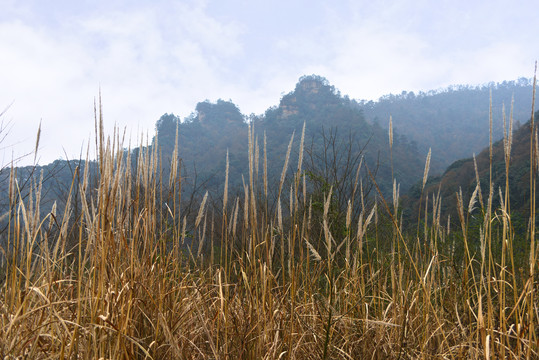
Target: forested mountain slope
x,y
461,177
454,122
339,134
335,130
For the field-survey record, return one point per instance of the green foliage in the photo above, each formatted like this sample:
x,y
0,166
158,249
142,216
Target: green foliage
x,y
454,122
323,110
460,176
139,282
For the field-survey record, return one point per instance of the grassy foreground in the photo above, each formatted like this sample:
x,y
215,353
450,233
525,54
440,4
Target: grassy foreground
x,y
131,277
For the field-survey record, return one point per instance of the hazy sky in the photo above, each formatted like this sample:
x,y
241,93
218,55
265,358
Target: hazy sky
x,y
156,57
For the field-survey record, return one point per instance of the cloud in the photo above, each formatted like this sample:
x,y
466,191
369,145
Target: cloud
x,y
165,56
369,50
147,61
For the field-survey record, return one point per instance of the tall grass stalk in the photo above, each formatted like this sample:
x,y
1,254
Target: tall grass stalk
x,y
259,276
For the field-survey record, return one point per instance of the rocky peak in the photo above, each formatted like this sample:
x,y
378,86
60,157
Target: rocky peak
x,y
221,112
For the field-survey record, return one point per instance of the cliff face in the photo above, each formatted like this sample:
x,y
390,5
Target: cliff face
x,y
330,117
306,89
221,113
290,109
311,85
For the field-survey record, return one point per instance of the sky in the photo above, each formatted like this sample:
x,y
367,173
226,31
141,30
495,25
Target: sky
x,y
147,58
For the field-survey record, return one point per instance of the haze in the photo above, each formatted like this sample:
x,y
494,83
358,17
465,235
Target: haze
x,y
165,56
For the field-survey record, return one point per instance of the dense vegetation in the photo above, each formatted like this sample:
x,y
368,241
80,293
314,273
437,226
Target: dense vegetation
x,y
335,129
453,121
356,131
207,135
505,164
310,263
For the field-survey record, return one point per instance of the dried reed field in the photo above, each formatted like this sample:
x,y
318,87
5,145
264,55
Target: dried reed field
x,y
266,274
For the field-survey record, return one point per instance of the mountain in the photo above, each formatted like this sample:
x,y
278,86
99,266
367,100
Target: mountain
x,y
461,176
337,140
335,130
453,121
340,133
203,141
56,181
215,128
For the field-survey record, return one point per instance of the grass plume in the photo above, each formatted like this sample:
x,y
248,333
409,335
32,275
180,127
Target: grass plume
x,y
120,281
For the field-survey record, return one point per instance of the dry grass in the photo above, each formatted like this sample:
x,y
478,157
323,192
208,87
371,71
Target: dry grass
x,y
128,279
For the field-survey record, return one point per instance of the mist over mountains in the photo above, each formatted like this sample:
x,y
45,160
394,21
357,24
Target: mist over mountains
x,y
340,133
454,122
474,174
